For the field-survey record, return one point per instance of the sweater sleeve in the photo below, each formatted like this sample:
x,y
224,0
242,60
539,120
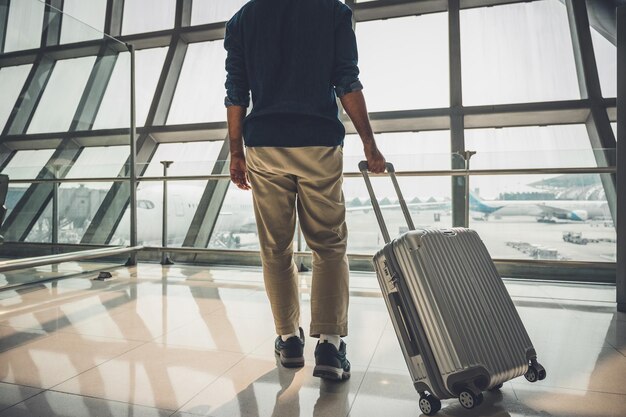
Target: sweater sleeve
x,y
345,75
237,86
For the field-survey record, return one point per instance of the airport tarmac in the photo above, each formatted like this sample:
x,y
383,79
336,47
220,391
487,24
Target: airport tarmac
x,y
364,236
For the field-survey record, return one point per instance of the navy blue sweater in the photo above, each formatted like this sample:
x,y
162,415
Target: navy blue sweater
x,y
295,56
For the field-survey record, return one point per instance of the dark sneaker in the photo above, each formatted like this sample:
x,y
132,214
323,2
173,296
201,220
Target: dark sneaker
x,y
291,351
331,363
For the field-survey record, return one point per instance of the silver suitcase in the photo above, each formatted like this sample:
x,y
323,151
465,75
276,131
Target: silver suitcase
x,y
456,323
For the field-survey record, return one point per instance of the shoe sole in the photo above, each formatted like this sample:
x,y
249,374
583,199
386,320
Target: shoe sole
x,y
330,373
291,362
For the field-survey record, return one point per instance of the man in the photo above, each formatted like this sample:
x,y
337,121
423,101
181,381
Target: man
x,y
297,56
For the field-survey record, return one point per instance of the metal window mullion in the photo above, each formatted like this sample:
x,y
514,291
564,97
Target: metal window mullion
x,y
52,21
164,96
621,159
203,224
4,22
598,124
183,14
114,17
111,211
457,128
95,89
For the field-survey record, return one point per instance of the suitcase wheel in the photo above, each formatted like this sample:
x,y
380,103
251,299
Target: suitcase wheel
x,y
469,399
429,404
535,372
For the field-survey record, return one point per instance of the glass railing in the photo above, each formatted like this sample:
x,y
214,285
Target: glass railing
x,y
521,210
59,192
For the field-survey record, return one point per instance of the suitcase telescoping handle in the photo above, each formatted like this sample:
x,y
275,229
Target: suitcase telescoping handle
x,y
379,215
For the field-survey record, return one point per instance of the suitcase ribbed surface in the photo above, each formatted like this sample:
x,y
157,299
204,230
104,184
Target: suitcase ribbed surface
x,y
463,306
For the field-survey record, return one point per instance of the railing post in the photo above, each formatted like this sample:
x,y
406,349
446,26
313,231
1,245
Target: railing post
x,y
621,160
165,259
467,156
55,209
132,260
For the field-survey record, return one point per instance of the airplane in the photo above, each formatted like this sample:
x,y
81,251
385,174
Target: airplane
x,y
237,214
546,211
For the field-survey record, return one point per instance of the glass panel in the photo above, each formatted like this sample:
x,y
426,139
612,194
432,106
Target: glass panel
x,y
78,204
412,77
57,107
210,11
562,217
408,151
84,13
614,127
27,164
530,147
428,199
236,225
15,193
183,198
11,83
191,158
114,111
606,59
148,15
200,91
42,229
24,25
100,161
517,53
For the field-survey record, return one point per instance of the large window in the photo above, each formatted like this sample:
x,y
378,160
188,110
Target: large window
x,y
413,74
606,59
148,15
553,217
208,11
11,83
408,151
24,25
200,91
115,107
83,20
530,147
59,102
516,53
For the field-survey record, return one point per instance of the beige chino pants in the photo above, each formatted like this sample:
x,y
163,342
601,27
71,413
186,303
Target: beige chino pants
x,y
309,180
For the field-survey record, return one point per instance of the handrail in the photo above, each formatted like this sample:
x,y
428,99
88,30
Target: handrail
x,y
432,173
66,257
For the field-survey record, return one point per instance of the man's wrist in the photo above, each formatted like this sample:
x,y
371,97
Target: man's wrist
x,y
370,146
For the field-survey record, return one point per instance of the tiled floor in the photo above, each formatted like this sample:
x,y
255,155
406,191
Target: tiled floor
x,y
189,341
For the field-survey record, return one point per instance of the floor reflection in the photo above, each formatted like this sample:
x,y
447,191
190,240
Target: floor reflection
x,y
189,341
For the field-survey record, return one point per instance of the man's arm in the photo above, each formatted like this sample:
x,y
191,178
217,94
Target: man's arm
x,y
348,88
238,170
354,104
236,101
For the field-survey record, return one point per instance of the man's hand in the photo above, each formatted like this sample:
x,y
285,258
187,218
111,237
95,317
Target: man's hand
x,y
375,159
238,171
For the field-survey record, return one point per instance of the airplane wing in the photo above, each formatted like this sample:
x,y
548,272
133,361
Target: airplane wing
x,y
561,213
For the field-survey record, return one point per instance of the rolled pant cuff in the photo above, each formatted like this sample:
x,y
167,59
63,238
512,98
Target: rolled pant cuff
x,y
286,330
317,329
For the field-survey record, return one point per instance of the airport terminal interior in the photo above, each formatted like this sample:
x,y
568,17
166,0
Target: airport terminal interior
x,y
130,273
